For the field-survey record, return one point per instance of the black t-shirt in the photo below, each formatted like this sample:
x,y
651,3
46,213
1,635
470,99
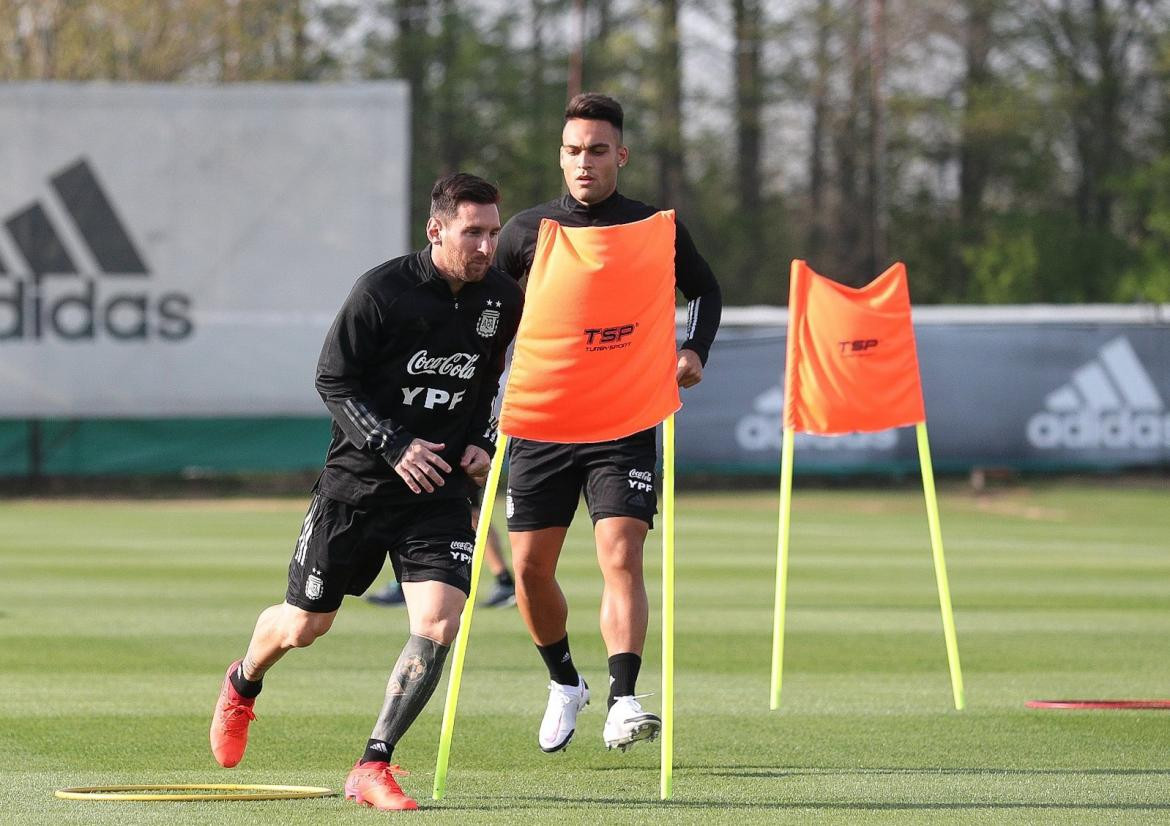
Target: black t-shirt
x,y
408,358
692,274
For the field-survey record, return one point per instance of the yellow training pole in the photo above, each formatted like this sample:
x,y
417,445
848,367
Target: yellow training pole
x,y
782,564
481,535
667,607
940,566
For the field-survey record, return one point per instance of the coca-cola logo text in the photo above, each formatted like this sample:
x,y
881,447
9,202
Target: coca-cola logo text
x,y
456,365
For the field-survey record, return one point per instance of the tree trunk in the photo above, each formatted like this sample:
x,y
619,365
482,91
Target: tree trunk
x,y
820,111
51,26
300,42
851,243
537,98
671,171
974,152
231,35
447,114
1092,52
596,72
1111,54
877,144
748,105
577,49
412,59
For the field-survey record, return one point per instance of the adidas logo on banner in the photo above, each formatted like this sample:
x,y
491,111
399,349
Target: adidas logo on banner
x,y
1110,402
763,429
51,297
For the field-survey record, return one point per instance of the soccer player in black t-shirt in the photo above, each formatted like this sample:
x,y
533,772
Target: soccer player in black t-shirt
x,y
408,371
618,477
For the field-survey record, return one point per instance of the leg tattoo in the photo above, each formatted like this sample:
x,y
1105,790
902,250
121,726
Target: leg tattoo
x,y
250,670
411,684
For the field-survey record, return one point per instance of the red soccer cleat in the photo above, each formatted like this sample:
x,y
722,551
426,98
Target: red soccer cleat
x,y
229,723
373,784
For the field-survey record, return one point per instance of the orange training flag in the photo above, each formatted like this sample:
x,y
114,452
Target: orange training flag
x,y
595,355
852,364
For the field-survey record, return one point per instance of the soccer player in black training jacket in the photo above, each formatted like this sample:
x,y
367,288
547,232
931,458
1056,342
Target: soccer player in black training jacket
x,y
408,371
545,480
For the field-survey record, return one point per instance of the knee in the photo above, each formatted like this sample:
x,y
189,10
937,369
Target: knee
x,y
442,628
300,628
533,566
620,556
533,572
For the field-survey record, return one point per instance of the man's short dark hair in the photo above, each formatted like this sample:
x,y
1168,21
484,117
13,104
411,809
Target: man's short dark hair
x,y
595,106
452,190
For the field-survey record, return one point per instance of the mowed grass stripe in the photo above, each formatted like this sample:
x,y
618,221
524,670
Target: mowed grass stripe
x,y
120,617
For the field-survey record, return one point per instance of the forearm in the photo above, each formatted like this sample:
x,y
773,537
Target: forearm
x,y
363,426
703,315
697,282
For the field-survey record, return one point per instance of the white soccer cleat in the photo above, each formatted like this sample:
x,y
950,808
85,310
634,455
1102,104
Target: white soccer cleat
x,y
628,723
560,717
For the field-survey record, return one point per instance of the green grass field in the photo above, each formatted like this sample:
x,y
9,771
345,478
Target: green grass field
x,y
118,619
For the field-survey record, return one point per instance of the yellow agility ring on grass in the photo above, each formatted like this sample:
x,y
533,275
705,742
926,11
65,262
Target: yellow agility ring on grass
x,y
193,791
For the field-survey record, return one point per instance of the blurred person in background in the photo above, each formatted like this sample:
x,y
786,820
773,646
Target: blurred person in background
x,y
501,596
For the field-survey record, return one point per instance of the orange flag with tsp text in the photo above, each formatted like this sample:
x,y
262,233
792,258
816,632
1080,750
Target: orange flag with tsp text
x,y
852,364
595,355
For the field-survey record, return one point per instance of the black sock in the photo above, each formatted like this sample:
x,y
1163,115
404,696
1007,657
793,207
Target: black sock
x,y
560,662
623,675
243,686
377,751
504,577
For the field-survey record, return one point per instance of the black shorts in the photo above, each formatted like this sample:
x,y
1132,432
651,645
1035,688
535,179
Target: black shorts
x,y
342,548
545,481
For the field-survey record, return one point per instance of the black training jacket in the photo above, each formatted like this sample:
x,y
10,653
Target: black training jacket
x,y
407,358
692,274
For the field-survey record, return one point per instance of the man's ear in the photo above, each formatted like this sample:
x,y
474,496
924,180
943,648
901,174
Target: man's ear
x,y
433,230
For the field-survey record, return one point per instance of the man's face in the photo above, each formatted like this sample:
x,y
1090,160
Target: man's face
x,y
462,246
591,152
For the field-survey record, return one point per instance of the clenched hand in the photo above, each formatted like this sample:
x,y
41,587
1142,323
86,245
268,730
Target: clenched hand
x,y
690,368
475,463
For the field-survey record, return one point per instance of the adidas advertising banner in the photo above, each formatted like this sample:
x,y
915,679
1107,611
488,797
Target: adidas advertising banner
x,y
1027,396
181,251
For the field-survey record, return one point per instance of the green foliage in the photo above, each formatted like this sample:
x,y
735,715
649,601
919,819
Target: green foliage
x,y
926,237
1148,279
481,105
1020,143
1004,265
1046,257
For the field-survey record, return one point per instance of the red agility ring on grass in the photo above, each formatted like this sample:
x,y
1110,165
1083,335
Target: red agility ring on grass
x,y
1100,704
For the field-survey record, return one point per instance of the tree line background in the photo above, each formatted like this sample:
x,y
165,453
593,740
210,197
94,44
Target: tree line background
x,y
1006,150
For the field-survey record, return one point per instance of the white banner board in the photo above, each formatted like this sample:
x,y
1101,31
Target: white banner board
x,y
181,251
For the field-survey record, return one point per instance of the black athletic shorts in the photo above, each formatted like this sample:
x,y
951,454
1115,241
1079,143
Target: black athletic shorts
x,y
545,481
342,548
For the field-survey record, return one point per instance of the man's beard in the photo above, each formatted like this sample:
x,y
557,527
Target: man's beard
x,y
473,270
